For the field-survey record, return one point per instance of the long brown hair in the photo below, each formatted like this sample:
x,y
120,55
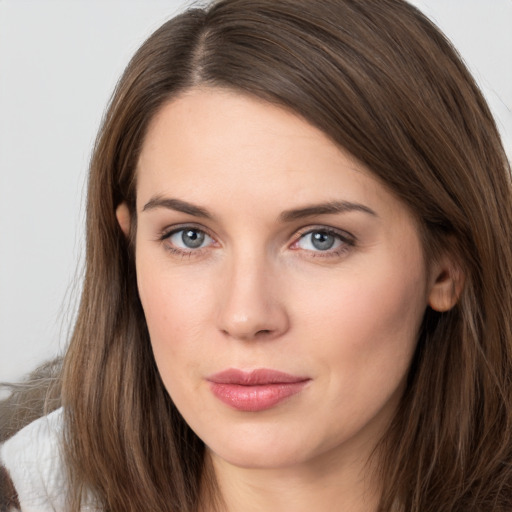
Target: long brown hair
x,y
381,80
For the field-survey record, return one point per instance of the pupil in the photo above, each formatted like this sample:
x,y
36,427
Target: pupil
x,y
322,241
192,239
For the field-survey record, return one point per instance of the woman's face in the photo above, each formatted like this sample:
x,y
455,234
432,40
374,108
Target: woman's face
x,y
282,284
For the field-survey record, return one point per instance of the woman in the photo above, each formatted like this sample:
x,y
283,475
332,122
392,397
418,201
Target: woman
x,y
296,294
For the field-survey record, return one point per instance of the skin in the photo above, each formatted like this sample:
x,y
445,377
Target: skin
x,y
259,294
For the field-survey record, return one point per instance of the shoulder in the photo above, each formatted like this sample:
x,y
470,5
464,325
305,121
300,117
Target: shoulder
x,y
33,473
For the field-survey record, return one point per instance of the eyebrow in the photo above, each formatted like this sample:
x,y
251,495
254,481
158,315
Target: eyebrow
x,y
177,205
329,208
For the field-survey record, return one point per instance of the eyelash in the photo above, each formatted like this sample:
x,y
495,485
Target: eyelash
x,y
347,241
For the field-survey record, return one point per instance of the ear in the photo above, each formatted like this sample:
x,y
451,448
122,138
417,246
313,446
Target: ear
x,y
447,282
123,218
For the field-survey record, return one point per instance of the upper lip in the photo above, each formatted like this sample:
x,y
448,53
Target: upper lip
x,y
254,377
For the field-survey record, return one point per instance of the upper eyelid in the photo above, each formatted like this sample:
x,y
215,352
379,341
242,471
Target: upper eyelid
x,y
170,230
329,229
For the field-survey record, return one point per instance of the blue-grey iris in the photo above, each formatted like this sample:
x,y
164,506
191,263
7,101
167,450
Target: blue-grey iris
x,y
322,240
192,238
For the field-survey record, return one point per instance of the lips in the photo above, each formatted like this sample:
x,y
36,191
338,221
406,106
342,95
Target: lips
x,y
257,390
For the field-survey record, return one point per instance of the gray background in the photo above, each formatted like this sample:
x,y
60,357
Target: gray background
x,y
59,62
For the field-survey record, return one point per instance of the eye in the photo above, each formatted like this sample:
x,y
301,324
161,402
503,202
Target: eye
x,y
323,240
189,239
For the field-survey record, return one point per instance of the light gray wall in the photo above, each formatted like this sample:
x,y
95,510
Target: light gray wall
x,y
59,61
482,32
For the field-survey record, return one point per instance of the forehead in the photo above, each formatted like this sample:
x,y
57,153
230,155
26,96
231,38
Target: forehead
x,y
214,146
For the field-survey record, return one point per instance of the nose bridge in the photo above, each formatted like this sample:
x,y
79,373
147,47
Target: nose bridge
x,y
250,305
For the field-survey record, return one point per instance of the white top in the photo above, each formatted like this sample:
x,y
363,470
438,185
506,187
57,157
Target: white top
x,y
33,458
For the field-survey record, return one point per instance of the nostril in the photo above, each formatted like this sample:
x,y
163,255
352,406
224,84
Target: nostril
x,y
263,332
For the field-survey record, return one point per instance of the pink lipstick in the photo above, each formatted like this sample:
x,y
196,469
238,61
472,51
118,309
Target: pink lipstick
x,y
256,390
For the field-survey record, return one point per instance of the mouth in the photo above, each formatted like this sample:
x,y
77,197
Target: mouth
x,y
256,390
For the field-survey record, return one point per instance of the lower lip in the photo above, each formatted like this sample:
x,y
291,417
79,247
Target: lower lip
x,y
257,397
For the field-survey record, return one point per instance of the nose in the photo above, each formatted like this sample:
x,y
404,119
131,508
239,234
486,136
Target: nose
x,y
251,305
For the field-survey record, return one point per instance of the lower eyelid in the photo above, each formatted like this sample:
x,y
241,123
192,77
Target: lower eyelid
x,y
339,251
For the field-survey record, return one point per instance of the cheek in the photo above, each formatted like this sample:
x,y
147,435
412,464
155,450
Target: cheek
x,y
383,299
364,325
175,307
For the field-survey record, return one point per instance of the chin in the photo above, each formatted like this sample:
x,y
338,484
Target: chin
x,y
260,450
269,458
